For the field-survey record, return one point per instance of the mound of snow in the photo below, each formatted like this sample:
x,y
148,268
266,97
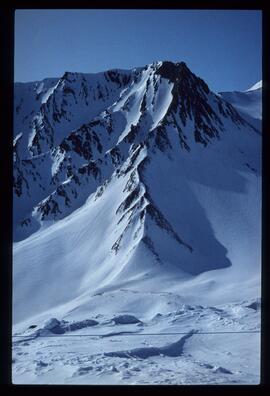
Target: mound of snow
x,y
54,326
50,324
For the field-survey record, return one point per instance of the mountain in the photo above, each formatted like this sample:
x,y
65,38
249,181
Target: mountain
x,y
256,86
129,176
137,198
109,170
248,103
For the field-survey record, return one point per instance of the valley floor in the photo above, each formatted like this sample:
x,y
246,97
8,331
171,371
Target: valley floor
x,y
192,344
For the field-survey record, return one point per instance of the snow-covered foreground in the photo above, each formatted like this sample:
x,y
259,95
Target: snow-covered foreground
x,y
131,350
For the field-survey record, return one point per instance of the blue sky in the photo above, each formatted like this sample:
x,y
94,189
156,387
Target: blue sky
x,y
222,47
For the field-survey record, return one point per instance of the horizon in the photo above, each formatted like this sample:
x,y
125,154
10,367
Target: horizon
x,y
103,71
223,47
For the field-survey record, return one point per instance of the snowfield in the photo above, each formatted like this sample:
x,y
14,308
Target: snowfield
x,y
152,351
137,230
248,103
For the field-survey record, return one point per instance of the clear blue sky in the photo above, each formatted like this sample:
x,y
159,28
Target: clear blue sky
x,y
222,47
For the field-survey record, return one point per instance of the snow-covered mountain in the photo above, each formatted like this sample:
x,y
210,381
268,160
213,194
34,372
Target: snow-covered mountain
x,y
248,103
129,180
256,86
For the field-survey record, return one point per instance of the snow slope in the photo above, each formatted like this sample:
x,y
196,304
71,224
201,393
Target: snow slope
x,y
248,103
141,198
255,86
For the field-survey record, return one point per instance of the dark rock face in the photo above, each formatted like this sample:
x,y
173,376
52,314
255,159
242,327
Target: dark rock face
x,y
115,155
90,169
256,305
173,71
134,129
117,78
73,326
126,319
32,326
18,180
161,139
82,142
190,101
60,191
129,200
49,206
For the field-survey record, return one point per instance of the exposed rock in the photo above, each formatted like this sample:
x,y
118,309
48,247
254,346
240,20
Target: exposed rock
x,y
126,319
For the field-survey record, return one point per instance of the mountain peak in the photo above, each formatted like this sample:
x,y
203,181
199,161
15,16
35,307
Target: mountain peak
x,y
172,71
255,86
